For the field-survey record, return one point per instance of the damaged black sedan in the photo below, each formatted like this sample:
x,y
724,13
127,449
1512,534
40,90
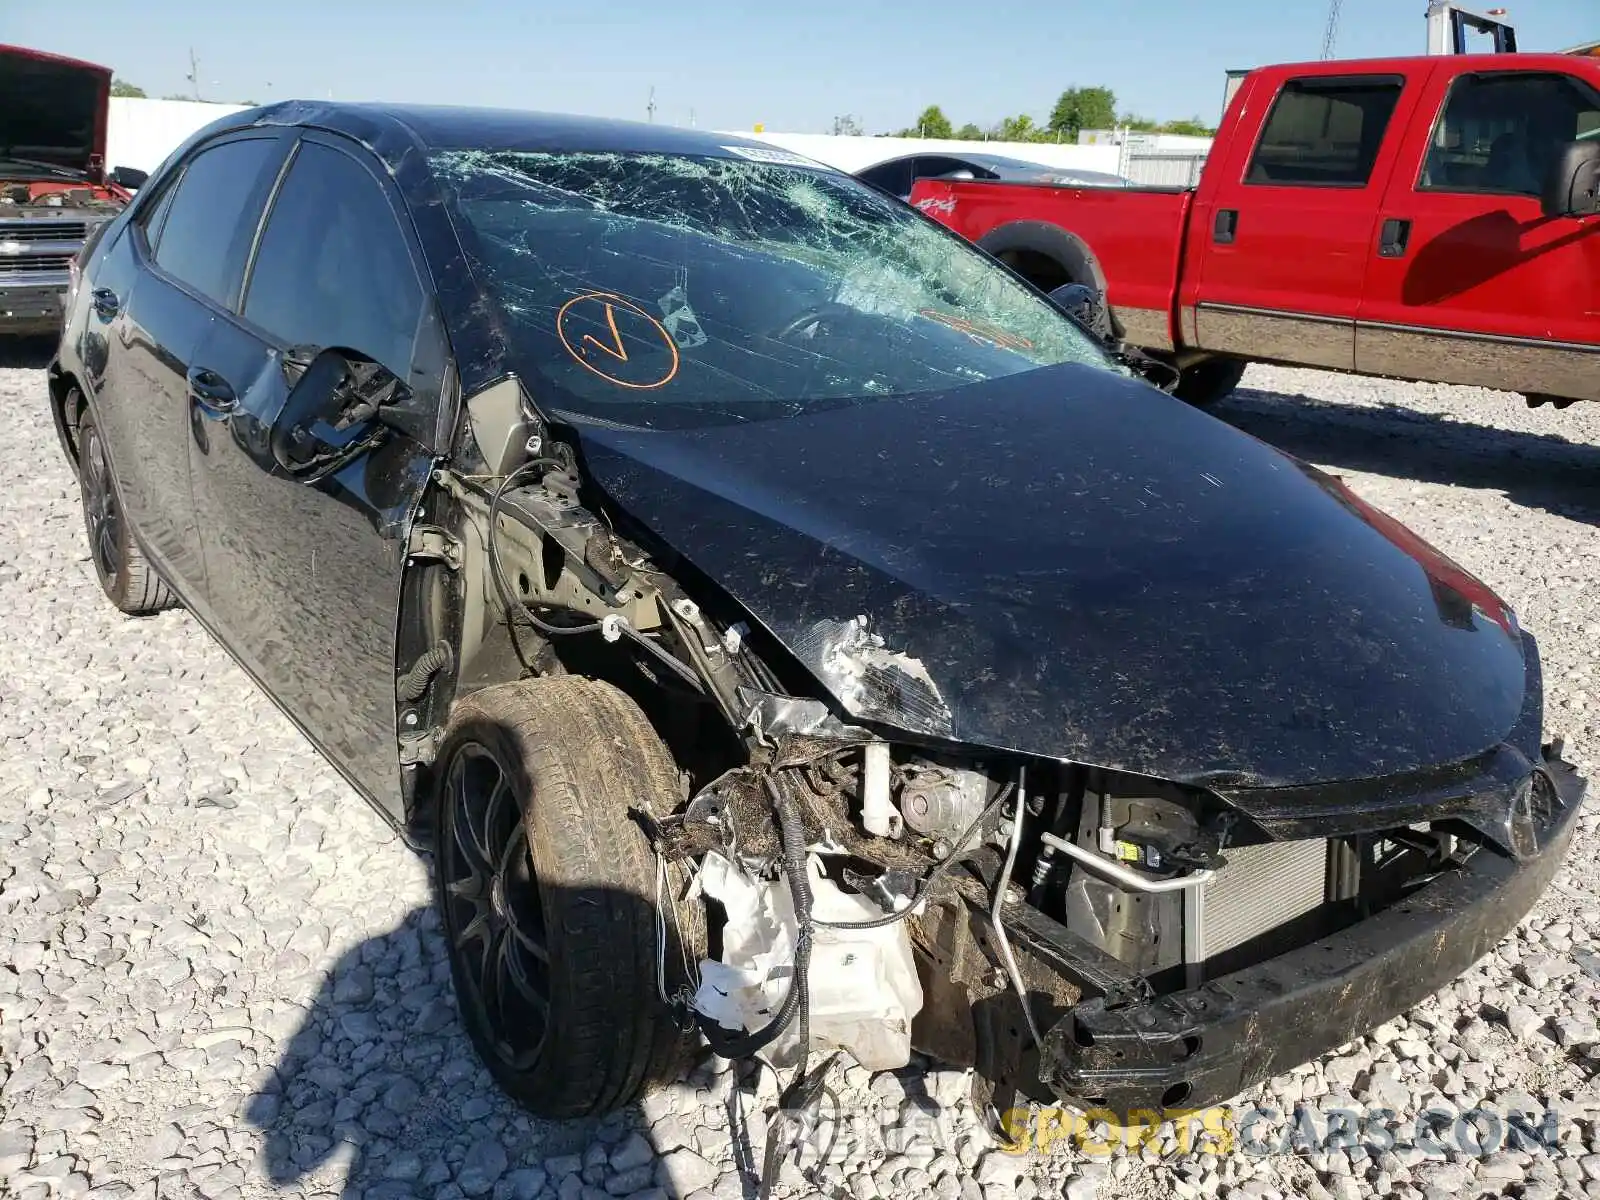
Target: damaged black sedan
x,y
784,627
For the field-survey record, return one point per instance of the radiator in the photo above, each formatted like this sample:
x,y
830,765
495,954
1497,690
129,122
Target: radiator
x,y
1261,888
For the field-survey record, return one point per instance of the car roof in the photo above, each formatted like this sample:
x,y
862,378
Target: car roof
x,y
454,127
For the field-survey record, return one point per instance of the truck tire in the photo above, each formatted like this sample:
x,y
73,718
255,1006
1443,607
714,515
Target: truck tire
x,y
125,575
546,888
1209,381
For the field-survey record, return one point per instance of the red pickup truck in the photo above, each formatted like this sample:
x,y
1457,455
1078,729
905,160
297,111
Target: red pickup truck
x,y
1418,218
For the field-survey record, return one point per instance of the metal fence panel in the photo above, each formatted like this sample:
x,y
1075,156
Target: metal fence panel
x,y
1164,170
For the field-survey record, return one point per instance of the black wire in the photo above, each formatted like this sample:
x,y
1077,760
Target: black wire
x,y
933,876
497,569
514,602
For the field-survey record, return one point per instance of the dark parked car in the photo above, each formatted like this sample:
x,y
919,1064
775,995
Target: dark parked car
x,y
782,622
898,175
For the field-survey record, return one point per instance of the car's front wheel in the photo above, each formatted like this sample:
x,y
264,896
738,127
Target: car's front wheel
x,y
126,577
547,891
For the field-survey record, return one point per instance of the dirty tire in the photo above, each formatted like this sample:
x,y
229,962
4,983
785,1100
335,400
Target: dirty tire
x,y
1209,382
127,579
575,754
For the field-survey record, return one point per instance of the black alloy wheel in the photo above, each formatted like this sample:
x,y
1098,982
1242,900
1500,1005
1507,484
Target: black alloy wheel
x,y
126,577
549,894
493,915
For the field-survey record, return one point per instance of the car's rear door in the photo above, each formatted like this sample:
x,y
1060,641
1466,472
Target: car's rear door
x,y
1283,248
305,577
156,293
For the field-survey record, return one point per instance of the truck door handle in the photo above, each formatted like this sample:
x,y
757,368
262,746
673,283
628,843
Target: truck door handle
x,y
105,303
211,390
1225,226
1394,237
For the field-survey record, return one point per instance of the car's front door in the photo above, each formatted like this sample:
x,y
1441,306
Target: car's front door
x,y
1467,280
305,577
171,271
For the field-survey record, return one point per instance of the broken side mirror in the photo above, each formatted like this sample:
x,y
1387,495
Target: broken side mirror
x,y
335,412
1572,189
1085,305
129,178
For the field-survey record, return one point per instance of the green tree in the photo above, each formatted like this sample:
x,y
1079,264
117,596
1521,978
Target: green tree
x,y
932,123
1017,129
1193,127
1080,108
969,133
1138,124
121,87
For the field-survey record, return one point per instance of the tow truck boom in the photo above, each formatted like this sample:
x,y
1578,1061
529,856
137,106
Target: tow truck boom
x,y
1449,27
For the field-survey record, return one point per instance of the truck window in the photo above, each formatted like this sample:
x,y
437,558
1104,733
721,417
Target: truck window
x,y
1325,131
1500,133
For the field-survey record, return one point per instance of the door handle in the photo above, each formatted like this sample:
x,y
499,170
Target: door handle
x,y
212,390
105,303
1225,226
1394,237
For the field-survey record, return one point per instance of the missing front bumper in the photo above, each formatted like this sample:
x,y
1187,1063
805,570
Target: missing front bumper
x,y
1204,1045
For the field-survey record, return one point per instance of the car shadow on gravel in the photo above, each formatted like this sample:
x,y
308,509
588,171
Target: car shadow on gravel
x,y
378,1090
1531,469
379,1086
26,353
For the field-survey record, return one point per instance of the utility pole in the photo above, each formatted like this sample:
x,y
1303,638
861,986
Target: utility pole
x,y
194,72
1330,34
650,106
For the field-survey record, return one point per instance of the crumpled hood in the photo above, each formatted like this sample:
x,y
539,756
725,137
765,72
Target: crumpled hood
x,y
1071,564
53,109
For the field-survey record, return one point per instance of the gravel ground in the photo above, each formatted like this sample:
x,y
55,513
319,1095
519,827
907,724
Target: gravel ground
x,y
219,974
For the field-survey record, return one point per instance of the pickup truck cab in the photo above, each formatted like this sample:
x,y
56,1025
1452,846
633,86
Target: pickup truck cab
x,y
1420,218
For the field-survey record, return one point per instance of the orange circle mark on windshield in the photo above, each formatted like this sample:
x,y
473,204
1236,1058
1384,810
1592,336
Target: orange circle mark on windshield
x,y
978,331
621,331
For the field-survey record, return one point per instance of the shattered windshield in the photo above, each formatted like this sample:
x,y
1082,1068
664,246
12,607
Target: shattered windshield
x,y
669,291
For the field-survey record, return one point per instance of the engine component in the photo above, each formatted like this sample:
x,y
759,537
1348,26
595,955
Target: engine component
x,y
941,801
877,810
1157,835
864,989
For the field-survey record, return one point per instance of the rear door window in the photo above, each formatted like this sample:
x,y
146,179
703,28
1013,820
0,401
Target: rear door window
x,y
210,222
156,215
1325,132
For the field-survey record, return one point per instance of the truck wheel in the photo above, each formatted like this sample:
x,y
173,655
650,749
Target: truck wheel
x,y
1210,381
547,893
126,577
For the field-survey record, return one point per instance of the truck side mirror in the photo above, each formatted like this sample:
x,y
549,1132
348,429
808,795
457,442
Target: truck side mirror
x,y
1572,189
130,178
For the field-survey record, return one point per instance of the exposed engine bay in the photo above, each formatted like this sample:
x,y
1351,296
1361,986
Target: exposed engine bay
x,y
1063,927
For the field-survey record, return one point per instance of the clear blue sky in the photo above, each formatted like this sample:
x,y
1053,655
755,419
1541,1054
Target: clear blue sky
x,y
793,66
